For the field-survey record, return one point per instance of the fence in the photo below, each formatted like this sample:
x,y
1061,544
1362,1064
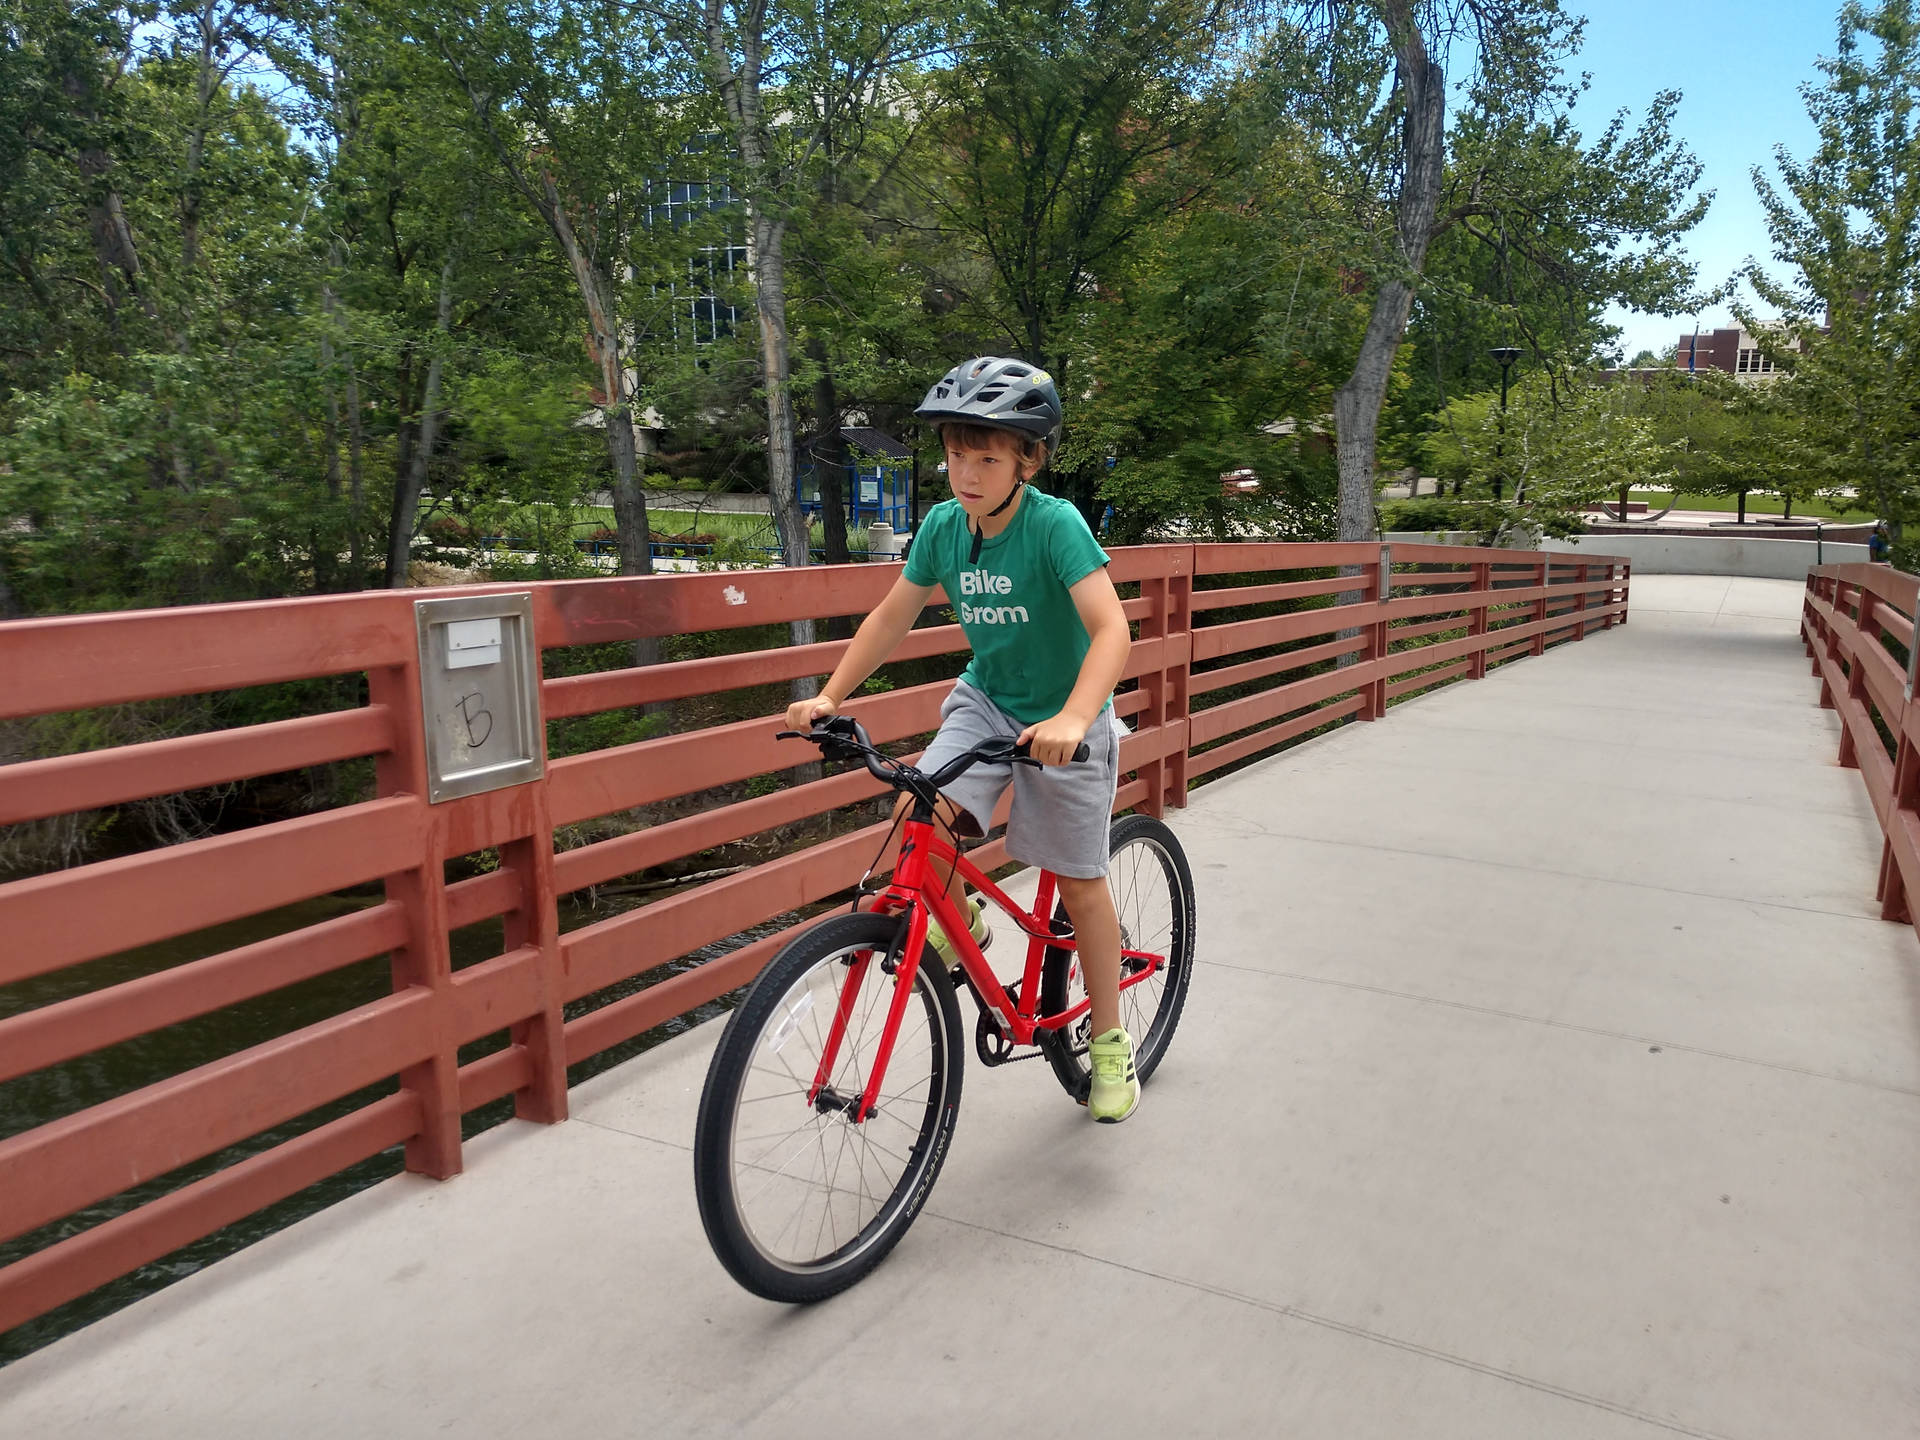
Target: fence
x,y
1858,624
1240,648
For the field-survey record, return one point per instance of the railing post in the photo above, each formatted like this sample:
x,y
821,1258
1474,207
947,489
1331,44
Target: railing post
x,y
534,922
1892,889
1158,590
1581,575
1373,704
1626,577
1477,619
425,960
1177,677
1539,646
1834,662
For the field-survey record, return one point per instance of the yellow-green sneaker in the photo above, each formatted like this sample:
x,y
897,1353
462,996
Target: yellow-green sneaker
x,y
1116,1089
943,946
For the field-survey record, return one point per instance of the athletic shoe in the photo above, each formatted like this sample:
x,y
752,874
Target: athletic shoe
x,y
943,946
1116,1090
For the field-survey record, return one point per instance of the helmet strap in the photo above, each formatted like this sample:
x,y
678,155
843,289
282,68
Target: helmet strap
x,y
979,535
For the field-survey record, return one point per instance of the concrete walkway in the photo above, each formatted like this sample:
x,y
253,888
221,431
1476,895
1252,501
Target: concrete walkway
x,y
1546,1074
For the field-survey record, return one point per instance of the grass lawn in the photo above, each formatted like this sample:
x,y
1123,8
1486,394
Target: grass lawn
x,y
727,525
1759,506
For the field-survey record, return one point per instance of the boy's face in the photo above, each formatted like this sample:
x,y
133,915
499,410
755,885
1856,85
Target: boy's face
x,y
981,479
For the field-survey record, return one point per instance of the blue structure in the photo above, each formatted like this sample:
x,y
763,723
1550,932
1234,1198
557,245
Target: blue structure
x,y
877,482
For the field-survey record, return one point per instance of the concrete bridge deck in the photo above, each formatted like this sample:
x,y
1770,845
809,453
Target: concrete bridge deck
x,y
1547,1073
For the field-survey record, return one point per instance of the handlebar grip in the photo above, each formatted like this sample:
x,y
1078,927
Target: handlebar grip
x,y
1024,753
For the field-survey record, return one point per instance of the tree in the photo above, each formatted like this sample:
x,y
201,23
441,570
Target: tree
x,y
1521,182
827,68
1076,125
582,115
1846,223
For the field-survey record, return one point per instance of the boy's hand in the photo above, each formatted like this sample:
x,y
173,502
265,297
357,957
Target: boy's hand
x,y
1052,742
802,713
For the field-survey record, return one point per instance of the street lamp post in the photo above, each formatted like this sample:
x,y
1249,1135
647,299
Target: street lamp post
x,y
1504,356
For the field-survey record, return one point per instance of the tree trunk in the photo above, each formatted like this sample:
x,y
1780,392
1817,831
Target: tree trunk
x,y
739,90
1357,403
190,190
412,479
597,290
776,369
829,454
1740,515
325,559
356,477
9,607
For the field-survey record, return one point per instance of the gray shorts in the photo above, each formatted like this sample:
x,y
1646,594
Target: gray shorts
x,y
1060,812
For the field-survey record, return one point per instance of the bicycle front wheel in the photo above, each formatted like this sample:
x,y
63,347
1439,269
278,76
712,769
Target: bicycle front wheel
x,y
799,1201
1152,889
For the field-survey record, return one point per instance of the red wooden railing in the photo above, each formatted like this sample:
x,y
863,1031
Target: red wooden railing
x,y
1858,623
1211,690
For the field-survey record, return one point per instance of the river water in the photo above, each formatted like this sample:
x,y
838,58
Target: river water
x,y
61,1090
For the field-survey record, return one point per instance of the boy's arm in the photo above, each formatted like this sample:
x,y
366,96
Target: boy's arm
x,y
878,636
1054,741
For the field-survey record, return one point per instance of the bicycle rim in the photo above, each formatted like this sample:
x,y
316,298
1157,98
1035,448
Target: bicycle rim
x,y
1152,897
1153,910
811,1190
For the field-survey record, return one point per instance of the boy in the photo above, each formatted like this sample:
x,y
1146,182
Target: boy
x,y
1030,586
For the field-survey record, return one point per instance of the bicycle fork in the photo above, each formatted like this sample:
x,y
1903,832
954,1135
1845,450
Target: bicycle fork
x,y
822,1096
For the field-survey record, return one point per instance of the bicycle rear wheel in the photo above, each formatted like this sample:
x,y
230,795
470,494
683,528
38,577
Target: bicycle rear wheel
x,y
798,1201
1153,895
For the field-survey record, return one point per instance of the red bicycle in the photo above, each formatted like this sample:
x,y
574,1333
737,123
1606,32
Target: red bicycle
x,y
831,1100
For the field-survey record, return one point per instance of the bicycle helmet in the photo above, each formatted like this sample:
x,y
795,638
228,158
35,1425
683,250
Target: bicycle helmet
x,y
1000,393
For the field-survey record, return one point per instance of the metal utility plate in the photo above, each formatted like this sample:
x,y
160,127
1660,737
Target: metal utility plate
x,y
479,675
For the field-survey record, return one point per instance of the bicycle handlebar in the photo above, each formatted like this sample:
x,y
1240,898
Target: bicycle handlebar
x,y
841,737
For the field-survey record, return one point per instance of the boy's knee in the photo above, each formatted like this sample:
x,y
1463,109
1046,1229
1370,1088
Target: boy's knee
x,y
1076,890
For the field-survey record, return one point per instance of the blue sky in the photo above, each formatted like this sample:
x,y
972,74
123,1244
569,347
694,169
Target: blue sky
x,y
1739,67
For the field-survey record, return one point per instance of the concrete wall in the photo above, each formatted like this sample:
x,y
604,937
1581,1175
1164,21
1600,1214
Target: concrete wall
x,y
1680,554
1716,554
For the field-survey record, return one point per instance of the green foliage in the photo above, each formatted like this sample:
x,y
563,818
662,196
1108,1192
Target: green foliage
x,y
1433,514
1846,221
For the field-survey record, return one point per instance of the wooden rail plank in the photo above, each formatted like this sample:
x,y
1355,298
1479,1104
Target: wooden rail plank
x,y
1397,688
1237,595
1207,761
73,915
1254,557
81,662
35,1039
69,1268
605,781
1205,682
34,789
70,1163
616,689
1223,720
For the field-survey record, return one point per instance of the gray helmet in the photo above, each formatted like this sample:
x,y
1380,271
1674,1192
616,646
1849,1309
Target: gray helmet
x,y
999,393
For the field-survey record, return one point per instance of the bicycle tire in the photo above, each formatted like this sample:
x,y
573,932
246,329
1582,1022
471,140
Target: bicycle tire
x,y
780,1008
1151,1009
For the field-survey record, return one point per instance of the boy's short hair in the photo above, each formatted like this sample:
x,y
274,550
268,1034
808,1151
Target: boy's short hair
x,y
961,435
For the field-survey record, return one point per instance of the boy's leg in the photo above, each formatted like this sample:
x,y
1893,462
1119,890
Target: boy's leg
x,y
1096,928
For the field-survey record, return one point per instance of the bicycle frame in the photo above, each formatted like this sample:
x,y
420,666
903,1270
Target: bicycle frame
x,y
917,892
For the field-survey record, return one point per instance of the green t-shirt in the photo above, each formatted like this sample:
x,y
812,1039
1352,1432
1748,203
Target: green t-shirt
x,y
1027,638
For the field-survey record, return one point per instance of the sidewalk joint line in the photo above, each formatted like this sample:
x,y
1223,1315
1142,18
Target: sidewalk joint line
x,y
1358,1332
1256,827
1569,1025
